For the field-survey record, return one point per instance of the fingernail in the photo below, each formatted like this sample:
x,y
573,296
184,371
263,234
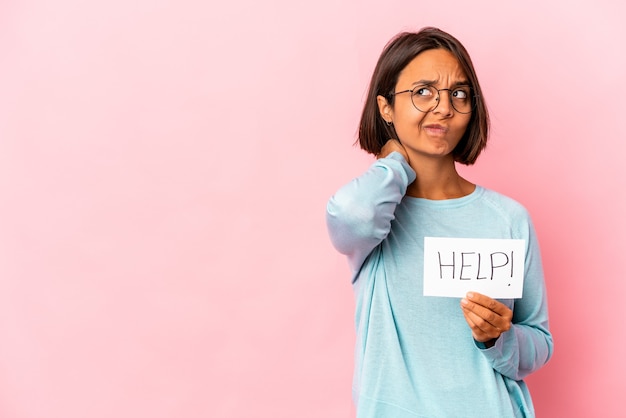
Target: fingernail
x,y
470,295
464,301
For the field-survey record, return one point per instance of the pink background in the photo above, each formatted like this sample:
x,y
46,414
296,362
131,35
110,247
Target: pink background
x,y
164,170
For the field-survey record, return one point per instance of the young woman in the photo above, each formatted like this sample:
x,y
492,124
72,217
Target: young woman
x,y
421,356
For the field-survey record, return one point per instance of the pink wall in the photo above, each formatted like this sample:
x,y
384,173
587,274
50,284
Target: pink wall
x,y
164,168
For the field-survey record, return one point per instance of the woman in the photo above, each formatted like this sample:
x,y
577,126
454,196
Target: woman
x,y
420,356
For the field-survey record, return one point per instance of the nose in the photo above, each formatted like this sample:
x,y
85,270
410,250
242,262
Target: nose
x,y
444,104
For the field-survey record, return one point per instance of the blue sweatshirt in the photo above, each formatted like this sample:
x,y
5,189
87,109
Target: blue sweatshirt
x,y
415,355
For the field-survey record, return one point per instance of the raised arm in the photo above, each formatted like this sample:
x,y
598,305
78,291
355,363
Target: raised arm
x,y
359,215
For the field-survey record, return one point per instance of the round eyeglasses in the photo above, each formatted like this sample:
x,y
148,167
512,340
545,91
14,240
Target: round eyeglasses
x,y
425,98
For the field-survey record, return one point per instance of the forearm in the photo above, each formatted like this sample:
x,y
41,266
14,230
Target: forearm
x,y
359,215
528,345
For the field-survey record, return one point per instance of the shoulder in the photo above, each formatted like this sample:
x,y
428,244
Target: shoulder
x,y
507,207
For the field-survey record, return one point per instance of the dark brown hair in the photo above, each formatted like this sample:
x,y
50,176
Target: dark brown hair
x,y
399,52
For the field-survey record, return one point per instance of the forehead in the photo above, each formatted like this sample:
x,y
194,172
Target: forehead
x,y
437,65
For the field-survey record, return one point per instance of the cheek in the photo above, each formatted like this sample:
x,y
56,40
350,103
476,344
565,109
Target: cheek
x,y
409,122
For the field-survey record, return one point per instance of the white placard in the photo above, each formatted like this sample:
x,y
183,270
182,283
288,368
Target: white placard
x,y
455,266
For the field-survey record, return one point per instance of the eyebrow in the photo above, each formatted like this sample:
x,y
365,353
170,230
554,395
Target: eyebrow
x,y
433,82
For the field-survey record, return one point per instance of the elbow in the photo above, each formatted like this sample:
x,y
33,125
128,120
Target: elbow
x,y
550,345
542,353
349,225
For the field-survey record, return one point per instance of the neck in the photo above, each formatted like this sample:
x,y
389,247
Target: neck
x,y
437,179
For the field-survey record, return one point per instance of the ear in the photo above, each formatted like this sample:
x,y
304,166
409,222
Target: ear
x,y
385,109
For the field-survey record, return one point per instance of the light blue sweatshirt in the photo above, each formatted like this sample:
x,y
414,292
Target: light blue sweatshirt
x,y
415,355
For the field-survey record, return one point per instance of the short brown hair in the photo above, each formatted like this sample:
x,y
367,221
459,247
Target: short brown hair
x,y
399,52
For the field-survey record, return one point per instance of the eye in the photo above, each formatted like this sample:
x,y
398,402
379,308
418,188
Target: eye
x,y
423,91
461,93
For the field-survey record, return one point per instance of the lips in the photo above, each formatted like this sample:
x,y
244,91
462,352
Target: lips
x,y
436,129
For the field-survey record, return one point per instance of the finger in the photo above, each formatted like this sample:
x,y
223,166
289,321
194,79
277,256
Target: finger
x,y
480,322
390,146
489,303
479,333
481,314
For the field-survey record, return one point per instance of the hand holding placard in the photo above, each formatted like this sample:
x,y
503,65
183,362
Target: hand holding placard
x,y
487,317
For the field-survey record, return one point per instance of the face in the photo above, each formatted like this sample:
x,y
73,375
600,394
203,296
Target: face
x,y
437,132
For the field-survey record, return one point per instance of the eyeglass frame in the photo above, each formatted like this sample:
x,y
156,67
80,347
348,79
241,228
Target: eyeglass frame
x,y
472,97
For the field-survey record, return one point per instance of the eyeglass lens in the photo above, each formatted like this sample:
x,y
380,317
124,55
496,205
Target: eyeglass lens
x,y
426,98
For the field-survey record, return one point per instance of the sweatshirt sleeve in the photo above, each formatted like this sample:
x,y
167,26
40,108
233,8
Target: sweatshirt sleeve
x,y
359,215
528,345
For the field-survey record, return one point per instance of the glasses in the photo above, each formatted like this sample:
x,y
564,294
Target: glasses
x,y
425,98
